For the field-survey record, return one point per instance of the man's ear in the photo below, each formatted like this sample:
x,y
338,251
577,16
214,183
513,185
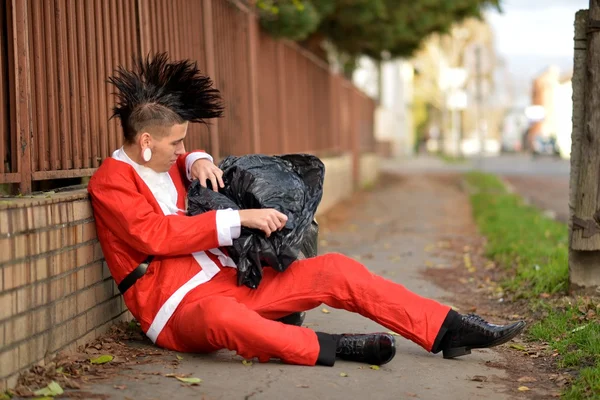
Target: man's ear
x,y
145,140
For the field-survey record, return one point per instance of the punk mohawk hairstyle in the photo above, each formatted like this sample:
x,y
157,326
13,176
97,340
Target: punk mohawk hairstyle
x,y
160,92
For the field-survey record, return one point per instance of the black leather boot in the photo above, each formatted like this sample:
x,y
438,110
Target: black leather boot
x,y
473,332
374,348
293,319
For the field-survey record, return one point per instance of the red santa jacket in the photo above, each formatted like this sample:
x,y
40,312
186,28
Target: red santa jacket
x,y
132,224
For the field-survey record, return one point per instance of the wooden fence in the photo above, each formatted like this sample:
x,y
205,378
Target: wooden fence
x,y
56,55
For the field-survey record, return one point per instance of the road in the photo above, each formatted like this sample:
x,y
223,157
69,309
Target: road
x,y
544,181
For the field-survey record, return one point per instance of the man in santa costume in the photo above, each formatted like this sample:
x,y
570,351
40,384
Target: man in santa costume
x,y
181,287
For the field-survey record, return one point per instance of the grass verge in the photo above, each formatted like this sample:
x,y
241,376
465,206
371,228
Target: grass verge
x,y
534,251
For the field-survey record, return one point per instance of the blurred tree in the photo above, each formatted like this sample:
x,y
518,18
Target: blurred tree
x,y
377,28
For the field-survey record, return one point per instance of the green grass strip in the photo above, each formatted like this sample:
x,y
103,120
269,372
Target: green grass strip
x,y
534,251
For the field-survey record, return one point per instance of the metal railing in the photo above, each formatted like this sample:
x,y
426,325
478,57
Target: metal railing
x,y
55,104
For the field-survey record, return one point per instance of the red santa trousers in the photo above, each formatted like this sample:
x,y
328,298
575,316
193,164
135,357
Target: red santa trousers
x,y
221,315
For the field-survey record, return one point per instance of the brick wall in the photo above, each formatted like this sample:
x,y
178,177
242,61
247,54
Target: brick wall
x,y
56,291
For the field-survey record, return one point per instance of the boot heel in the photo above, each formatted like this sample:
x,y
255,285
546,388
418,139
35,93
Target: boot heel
x,y
456,352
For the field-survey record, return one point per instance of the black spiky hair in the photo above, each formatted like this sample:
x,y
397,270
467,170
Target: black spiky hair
x,y
161,92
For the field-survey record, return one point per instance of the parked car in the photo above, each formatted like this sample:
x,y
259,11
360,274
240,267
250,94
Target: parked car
x,y
545,146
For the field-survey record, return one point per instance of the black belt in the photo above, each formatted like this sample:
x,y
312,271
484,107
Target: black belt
x,y
135,275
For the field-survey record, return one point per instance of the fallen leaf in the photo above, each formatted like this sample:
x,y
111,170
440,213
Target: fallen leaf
x,y
325,311
102,359
523,388
518,347
120,387
191,381
179,357
479,378
53,389
375,367
247,362
527,379
545,295
343,374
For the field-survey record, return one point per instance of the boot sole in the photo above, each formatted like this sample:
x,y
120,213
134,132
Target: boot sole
x,y
465,350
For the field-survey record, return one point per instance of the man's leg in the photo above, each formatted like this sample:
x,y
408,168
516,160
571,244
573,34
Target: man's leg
x,y
342,282
207,324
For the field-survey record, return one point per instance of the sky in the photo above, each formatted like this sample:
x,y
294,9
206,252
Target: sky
x,y
531,35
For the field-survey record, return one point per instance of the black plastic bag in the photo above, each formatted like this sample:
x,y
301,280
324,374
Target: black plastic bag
x,y
291,184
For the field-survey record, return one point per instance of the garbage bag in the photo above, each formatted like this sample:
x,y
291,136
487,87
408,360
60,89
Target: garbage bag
x,y
291,184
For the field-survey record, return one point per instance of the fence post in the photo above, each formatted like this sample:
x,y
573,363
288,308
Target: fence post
x,y
253,32
334,114
355,136
20,90
143,20
584,257
209,53
282,100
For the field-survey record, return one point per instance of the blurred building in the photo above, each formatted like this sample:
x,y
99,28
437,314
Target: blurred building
x,y
391,82
552,96
456,85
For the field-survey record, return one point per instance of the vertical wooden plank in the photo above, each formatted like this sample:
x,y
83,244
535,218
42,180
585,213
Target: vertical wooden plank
x,y
141,9
143,18
34,95
103,110
253,80
91,54
82,64
63,86
4,101
209,51
355,138
113,46
333,113
154,27
282,98
73,84
164,38
121,36
40,87
21,89
51,82
105,71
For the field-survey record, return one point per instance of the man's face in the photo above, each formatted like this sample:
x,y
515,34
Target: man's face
x,y
166,149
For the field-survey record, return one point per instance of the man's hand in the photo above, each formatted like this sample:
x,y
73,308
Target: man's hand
x,y
204,170
267,220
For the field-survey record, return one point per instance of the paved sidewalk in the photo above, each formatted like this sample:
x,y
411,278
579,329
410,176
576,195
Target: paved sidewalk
x,y
388,229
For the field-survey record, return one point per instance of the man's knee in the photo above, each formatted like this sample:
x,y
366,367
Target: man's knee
x,y
217,311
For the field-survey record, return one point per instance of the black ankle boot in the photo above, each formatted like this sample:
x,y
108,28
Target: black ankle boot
x,y
293,319
474,332
375,348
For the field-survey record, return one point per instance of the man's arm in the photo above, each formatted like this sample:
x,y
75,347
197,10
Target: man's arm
x,y
185,162
129,216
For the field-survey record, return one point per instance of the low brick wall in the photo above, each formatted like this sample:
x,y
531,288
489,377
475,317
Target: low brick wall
x,y
56,291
